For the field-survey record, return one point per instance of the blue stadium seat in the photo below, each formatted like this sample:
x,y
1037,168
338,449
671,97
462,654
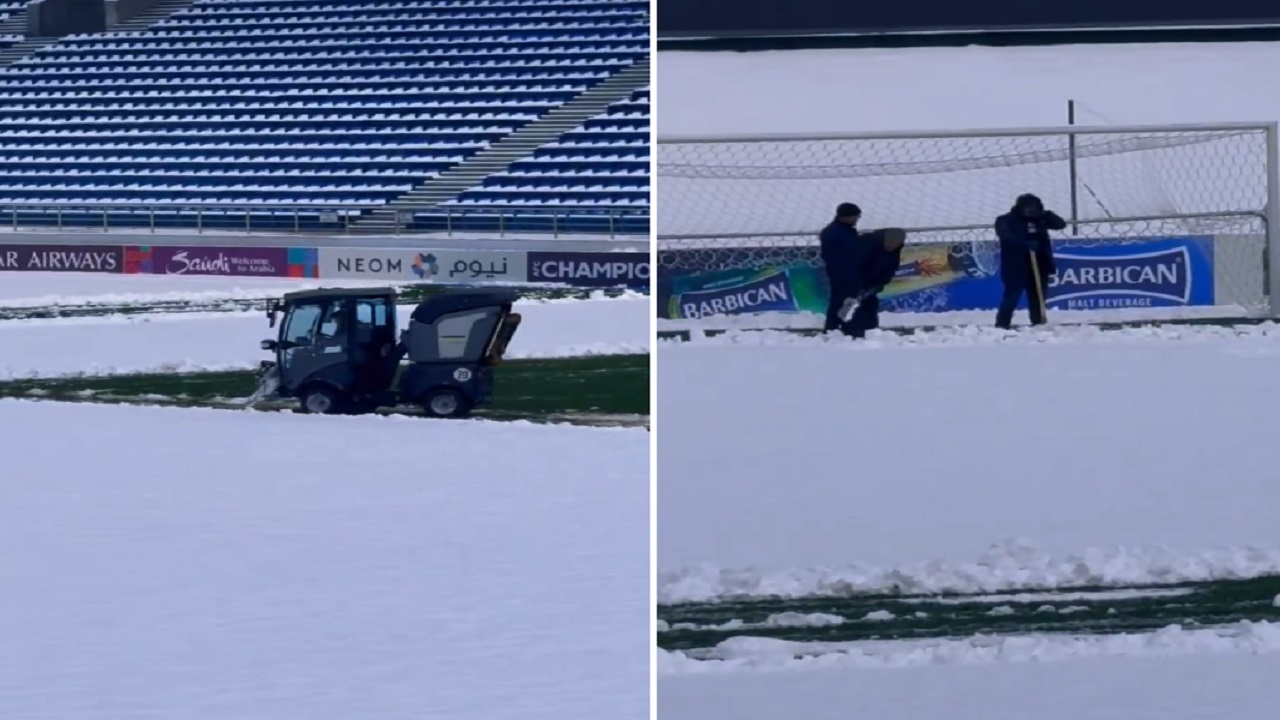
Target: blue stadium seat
x,y
264,114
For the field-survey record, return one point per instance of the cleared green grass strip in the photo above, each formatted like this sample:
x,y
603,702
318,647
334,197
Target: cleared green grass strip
x,y
546,389
893,617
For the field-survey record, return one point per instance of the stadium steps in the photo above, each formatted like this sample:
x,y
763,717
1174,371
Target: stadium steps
x,y
502,154
152,15
16,24
14,53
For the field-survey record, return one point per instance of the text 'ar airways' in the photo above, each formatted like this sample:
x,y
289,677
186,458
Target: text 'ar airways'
x,y
51,258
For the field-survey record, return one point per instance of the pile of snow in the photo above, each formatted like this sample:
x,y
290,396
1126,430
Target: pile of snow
x,y
193,342
1128,462
1005,568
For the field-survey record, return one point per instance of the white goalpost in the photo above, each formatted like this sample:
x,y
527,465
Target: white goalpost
x,y
756,202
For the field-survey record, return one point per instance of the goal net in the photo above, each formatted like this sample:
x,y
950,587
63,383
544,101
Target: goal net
x,y
1134,197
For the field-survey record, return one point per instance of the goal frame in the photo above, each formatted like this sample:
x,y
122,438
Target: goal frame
x,y
1270,215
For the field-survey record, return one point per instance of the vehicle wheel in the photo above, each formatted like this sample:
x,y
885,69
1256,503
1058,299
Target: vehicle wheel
x,y
446,403
321,401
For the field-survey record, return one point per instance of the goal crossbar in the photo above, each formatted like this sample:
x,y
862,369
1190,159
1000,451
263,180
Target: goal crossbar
x,y
970,133
812,236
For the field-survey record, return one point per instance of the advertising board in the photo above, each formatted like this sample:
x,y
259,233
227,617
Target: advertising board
x,y
62,258
1103,274
426,265
228,261
596,269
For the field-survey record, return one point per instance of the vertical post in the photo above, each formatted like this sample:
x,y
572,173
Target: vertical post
x,y
1272,246
1071,164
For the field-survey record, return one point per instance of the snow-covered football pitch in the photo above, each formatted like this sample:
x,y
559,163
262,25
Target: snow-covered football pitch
x,y
187,563
973,504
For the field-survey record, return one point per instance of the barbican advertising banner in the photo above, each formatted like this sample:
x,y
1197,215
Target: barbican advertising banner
x,y
1104,274
590,269
228,261
62,258
444,266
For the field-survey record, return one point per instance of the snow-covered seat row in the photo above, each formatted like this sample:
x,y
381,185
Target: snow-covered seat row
x,y
164,189
163,117
350,16
307,38
424,4
511,10
504,54
317,134
396,22
170,153
69,85
264,177
345,105
275,64
574,8
238,108
20,78
250,63
514,96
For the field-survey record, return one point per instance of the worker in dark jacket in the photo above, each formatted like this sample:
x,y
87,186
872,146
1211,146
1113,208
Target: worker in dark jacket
x,y
884,259
1026,257
845,255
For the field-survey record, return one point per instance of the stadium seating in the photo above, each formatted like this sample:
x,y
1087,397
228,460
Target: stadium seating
x,y
602,164
301,114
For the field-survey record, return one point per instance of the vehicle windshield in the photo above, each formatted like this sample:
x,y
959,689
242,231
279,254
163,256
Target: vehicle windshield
x,y
300,324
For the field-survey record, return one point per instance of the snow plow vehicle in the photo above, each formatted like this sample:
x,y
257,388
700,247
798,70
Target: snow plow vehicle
x,y
340,351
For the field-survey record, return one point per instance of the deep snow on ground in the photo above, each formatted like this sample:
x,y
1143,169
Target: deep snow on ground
x,y
969,459
971,87
1199,687
223,341
167,563
792,465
